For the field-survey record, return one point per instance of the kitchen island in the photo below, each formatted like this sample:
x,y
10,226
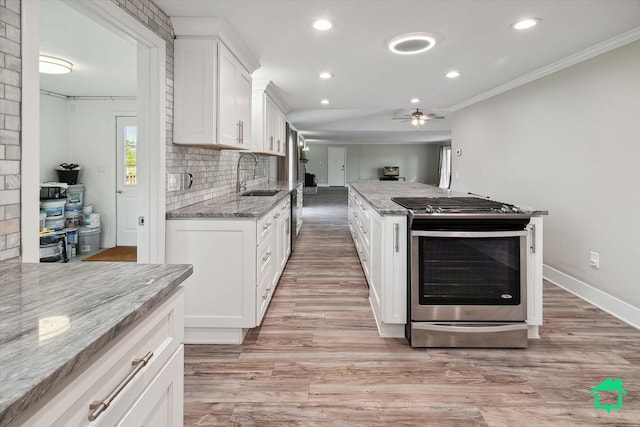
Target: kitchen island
x,y
69,333
380,230
239,246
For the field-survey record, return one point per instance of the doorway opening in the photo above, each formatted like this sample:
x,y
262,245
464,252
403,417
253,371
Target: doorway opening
x,y
150,106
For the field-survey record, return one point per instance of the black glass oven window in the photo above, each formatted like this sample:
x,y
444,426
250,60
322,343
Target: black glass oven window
x,y
470,271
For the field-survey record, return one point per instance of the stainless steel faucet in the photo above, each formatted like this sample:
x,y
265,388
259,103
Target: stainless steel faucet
x,y
243,185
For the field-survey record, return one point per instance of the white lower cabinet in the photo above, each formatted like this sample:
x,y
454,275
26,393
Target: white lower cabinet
x,y
237,263
381,243
152,397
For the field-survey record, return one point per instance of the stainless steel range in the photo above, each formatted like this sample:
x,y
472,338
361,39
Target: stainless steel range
x,y
467,280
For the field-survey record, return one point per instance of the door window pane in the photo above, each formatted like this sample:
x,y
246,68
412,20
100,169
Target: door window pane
x,y
130,140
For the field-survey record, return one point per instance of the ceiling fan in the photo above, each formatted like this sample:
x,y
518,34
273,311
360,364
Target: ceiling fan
x,y
418,118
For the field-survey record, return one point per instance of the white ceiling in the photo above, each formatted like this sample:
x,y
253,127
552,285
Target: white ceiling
x,y
103,64
372,85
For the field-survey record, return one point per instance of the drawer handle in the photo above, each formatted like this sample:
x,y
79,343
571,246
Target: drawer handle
x,y
277,215
266,293
266,257
267,225
99,406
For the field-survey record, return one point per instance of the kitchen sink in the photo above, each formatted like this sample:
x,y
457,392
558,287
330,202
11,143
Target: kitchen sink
x,y
256,193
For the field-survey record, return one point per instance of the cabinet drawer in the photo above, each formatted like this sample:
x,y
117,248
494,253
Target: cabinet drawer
x,y
161,333
264,227
265,256
263,294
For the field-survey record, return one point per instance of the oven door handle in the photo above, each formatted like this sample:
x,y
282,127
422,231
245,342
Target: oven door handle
x,y
467,328
468,234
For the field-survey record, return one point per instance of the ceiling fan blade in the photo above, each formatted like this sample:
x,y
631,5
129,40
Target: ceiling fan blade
x,y
433,116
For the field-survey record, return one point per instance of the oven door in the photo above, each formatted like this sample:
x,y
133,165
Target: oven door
x,y
468,276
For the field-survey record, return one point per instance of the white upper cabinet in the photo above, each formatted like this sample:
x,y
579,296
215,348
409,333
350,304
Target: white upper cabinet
x,y
234,116
212,85
269,121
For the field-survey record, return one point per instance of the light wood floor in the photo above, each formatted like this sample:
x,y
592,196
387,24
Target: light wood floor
x,y
318,360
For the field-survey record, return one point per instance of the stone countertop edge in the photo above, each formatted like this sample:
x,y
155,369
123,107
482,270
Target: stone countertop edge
x,y
378,194
234,205
13,409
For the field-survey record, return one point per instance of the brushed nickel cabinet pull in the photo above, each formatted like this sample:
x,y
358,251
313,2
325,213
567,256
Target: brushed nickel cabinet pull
x,y
533,238
99,406
266,257
267,225
396,232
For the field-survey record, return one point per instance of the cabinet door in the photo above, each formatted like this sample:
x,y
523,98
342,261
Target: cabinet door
x,y
269,140
243,105
195,92
161,404
234,89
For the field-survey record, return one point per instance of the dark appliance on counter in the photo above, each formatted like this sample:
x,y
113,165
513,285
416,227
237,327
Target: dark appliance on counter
x,y
467,274
390,173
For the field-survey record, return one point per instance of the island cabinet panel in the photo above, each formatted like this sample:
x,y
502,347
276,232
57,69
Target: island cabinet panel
x,y
212,104
154,393
236,266
534,276
381,244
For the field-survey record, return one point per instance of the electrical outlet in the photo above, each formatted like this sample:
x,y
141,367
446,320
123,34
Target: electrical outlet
x,y
173,182
594,259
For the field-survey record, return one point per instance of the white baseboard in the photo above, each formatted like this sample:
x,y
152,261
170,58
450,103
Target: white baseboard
x,y
612,305
323,185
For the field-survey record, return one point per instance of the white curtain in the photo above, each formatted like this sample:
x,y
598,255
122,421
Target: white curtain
x,y
445,166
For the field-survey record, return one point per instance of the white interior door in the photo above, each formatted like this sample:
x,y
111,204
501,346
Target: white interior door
x,y
336,166
126,181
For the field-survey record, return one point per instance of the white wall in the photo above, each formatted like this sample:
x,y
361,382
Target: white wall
x,y
90,142
570,144
53,136
417,162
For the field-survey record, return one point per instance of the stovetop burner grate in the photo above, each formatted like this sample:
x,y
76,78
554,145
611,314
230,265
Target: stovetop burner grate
x,y
453,204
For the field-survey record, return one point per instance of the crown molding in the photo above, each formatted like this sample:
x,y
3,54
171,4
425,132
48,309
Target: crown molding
x,y
598,49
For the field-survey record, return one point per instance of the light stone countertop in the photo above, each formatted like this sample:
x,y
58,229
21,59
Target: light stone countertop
x,y
379,194
235,205
91,301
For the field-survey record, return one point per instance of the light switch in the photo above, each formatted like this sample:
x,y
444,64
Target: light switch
x,y
173,182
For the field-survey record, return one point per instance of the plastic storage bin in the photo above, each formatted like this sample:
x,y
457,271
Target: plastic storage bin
x,y
75,196
54,207
88,240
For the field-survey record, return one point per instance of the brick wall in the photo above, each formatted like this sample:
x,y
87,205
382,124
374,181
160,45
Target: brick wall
x,y
214,171
10,150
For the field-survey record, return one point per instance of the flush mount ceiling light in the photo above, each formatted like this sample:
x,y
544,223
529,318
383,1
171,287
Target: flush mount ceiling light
x,y
325,75
412,43
414,100
525,24
324,102
53,65
453,74
322,24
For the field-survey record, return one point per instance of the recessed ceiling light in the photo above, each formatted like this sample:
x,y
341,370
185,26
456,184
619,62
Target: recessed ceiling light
x,y
322,24
324,101
409,44
414,100
325,75
525,23
453,74
53,65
